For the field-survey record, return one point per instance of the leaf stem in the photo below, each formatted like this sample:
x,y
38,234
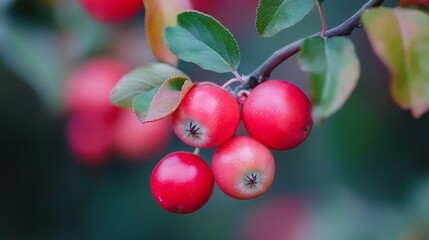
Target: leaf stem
x,y
263,72
237,75
231,81
322,18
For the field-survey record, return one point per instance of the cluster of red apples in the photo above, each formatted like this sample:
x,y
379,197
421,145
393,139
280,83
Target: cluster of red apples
x,y
276,114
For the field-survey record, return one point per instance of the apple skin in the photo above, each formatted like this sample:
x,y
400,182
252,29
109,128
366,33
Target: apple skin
x,y
137,141
243,168
278,114
88,88
89,138
206,117
181,182
112,11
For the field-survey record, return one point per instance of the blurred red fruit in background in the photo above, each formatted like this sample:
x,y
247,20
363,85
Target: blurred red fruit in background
x,y
234,15
281,217
88,89
89,137
112,11
135,140
87,98
209,7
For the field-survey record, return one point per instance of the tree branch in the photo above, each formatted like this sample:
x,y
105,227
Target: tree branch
x,y
263,72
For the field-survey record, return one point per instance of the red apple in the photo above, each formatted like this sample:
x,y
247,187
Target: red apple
x,y
278,114
112,11
207,117
181,182
243,168
135,140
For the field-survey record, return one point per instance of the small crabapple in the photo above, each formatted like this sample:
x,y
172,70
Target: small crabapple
x,y
112,11
243,168
181,182
135,140
278,114
207,117
88,88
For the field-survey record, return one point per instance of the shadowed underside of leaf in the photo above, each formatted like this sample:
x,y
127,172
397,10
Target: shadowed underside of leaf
x,y
334,71
201,39
142,80
275,15
161,101
400,37
159,14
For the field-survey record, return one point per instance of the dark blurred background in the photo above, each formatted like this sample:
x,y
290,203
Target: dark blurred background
x,y
362,174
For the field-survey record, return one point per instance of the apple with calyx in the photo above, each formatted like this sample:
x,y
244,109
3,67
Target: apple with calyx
x,y
207,117
243,168
181,182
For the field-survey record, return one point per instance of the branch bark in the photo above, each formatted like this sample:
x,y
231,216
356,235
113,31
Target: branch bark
x,y
263,72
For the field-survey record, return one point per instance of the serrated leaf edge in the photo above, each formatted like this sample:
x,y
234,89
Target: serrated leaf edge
x,y
263,35
220,24
148,66
174,109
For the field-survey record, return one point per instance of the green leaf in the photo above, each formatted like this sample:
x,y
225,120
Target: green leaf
x,y
142,80
201,39
161,101
334,71
273,16
404,47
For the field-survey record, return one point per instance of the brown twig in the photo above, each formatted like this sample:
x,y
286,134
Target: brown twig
x,y
262,73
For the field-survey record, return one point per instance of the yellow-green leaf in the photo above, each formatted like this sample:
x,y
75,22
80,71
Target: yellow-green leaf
x,y
334,71
140,81
159,14
161,101
400,37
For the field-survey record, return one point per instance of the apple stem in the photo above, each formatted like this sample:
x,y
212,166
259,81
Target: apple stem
x,y
197,151
322,18
231,81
